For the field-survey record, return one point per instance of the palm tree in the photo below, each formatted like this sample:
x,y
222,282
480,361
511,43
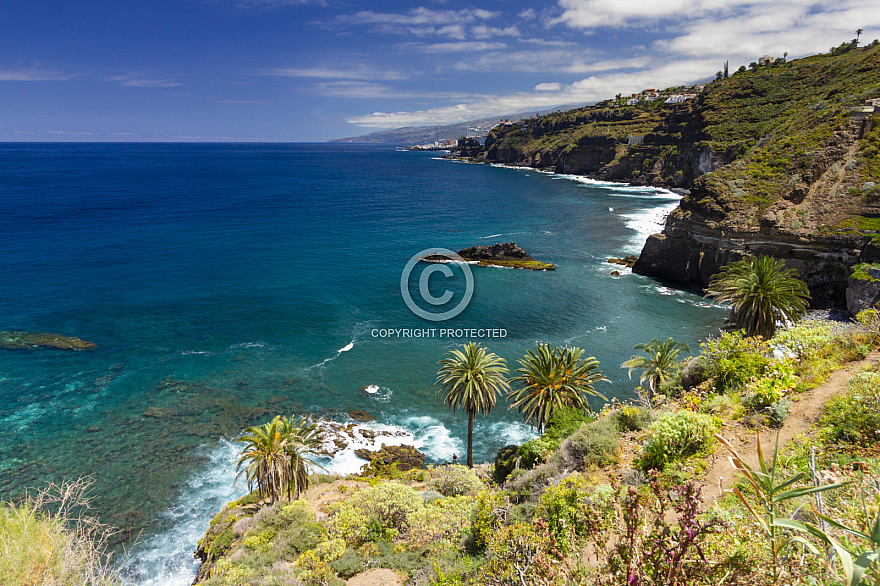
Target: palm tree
x,y
660,363
277,456
471,380
760,292
553,378
858,34
267,460
303,441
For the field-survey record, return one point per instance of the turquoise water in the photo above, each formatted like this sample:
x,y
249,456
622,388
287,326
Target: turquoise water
x,y
227,283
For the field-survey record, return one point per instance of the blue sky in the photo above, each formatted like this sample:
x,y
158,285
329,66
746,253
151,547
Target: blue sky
x,y
301,70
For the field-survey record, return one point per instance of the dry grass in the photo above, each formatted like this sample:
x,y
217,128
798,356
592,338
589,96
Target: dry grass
x,y
49,539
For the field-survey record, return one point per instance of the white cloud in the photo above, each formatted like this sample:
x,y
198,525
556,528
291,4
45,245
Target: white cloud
x,y
368,90
460,47
464,24
687,41
133,80
34,74
361,72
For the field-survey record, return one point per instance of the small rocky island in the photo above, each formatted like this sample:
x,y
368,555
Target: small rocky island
x,y
507,254
11,340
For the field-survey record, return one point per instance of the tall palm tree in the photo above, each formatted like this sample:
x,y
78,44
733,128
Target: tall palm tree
x,y
471,380
266,458
858,34
303,441
760,292
661,362
553,378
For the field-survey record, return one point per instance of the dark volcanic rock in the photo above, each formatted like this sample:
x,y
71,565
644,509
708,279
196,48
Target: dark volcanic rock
x,y
498,251
29,341
863,293
406,457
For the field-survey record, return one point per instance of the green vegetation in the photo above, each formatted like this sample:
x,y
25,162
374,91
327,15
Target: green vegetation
x,y
760,292
609,498
472,380
533,265
658,366
552,379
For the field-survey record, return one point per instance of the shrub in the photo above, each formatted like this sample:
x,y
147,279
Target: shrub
x,y
733,360
536,451
675,436
448,519
453,480
571,511
803,339
594,444
778,380
869,320
490,512
854,418
631,418
505,461
565,421
527,485
382,510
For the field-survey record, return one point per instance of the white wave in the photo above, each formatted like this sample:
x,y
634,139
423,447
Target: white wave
x,y
345,461
196,352
515,432
347,347
249,345
166,559
377,393
502,234
433,438
646,222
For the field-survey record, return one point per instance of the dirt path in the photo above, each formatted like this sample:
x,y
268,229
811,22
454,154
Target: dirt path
x,y
805,411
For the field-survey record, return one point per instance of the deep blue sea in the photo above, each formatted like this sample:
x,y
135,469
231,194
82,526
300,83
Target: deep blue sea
x,y
224,284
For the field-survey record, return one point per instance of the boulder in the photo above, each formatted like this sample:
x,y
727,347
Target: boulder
x,y
692,374
406,457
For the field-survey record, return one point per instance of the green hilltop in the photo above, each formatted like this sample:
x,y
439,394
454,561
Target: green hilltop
x,y
781,158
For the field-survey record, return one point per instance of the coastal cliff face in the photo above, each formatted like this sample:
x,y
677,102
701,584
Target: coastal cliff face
x,y
783,160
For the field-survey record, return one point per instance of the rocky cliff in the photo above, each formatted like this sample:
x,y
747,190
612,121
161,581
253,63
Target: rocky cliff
x,y
782,159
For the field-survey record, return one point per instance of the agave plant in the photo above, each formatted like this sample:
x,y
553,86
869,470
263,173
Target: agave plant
x,y
770,494
471,380
657,367
552,378
760,292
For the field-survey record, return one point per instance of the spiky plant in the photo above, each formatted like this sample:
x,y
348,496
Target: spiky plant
x,y
551,378
471,379
760,292
659,364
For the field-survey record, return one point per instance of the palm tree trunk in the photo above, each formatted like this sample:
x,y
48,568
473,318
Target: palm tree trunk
x,y
470,446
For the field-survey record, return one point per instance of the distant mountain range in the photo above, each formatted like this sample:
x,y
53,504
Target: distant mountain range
x,y
427,134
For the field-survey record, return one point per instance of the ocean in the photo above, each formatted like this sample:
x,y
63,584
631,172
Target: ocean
x,y
227,283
